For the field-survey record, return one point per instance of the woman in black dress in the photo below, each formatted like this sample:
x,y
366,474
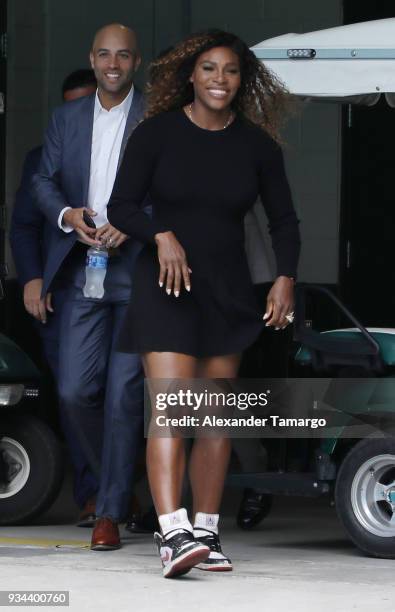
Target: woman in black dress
x,y
205,152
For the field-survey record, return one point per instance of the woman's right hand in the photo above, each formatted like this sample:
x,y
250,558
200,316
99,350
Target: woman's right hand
x,y
173,263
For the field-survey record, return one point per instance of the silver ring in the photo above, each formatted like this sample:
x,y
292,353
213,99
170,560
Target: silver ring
x,y
290,317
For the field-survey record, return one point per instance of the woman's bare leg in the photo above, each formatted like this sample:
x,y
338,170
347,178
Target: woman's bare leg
x,y
166,456
210,456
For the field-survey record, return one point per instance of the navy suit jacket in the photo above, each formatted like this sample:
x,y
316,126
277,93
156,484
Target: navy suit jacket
x,y
29,232
63,177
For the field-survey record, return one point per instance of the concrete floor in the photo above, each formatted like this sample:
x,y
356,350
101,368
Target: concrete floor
x,y
298,560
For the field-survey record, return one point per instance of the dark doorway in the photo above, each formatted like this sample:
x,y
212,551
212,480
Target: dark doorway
x,y
3,86
367,270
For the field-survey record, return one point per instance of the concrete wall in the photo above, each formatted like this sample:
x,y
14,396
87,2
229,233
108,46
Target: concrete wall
x,y
26,103
50,38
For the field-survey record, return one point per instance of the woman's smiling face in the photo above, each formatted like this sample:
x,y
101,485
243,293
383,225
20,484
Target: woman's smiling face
x,y
216,78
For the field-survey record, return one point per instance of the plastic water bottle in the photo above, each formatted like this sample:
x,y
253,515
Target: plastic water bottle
x,y
95,272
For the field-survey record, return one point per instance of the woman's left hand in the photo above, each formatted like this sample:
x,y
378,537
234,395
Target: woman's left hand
x,y
109,236
279,303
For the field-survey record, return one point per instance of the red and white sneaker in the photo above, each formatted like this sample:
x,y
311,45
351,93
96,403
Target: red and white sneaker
x,y
180,552
216,561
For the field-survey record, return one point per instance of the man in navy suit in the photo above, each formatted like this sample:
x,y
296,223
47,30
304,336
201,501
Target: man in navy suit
x,y
29,234
83,148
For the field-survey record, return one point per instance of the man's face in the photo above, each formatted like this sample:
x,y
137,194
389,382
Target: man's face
x,y
114,59
78,92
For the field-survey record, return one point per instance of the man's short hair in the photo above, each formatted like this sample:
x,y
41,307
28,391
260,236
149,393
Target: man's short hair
x,y
79,78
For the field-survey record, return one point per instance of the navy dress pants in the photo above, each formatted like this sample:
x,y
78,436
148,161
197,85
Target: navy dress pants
x,y
101,389
85,482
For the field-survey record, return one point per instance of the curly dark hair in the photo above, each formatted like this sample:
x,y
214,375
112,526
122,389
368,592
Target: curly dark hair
x,y
261,98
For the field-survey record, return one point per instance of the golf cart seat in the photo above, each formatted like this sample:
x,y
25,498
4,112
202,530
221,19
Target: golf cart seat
x,y
369,349
385,337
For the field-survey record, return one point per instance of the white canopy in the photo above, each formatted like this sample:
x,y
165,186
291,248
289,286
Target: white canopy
x,y
350,60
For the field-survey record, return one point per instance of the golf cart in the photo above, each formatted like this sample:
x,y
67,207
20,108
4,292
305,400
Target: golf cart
x,y
349,64
31,462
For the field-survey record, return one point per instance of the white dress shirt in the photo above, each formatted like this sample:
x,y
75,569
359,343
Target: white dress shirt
x,y
107,135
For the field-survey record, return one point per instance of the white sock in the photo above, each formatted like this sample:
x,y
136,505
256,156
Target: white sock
x,y
204,523
174,521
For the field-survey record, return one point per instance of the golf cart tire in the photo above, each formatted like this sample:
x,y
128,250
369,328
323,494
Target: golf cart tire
x,y
40,455
359,485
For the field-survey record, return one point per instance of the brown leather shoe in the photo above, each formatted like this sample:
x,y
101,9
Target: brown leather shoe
x,y
105,535
87,515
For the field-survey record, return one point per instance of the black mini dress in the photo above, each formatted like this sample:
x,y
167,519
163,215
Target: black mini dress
x,y
201,184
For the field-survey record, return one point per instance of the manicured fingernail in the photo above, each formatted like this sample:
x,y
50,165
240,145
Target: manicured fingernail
x,y
267,325
160,284
168,291
176,293
188,287
265,316
276,328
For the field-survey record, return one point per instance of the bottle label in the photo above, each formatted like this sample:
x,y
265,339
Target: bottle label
x,y
96,261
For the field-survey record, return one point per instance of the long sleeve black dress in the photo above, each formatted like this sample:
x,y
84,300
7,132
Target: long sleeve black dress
x,y
201,184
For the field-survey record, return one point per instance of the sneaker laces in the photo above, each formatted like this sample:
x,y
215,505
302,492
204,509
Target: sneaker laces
x,y
212,541
178,539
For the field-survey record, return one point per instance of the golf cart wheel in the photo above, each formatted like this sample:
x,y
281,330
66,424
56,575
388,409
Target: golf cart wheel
x,y
31,469
365,496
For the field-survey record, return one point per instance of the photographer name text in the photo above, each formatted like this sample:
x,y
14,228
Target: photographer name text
x,y
251,421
